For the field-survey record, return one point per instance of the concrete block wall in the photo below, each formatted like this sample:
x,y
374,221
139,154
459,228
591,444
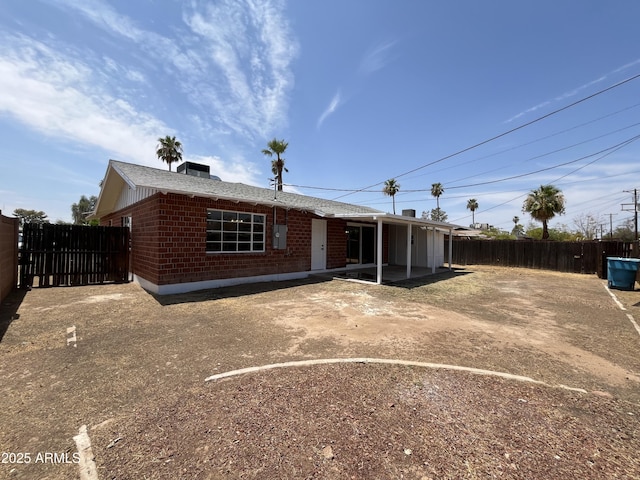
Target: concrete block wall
x,y
8,255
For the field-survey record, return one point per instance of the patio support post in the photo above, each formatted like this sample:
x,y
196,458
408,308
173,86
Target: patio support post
x,y
379,256
450,247
409,227
433,251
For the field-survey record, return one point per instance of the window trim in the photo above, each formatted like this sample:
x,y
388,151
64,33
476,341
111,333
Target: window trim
x,y
224,236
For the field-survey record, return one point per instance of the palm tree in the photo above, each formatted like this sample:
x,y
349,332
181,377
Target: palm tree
x,y
472,205
277,147
169,150
518,230
436,190
543,204
391,187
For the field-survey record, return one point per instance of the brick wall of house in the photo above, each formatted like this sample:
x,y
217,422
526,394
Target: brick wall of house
x,y
169,241
336,243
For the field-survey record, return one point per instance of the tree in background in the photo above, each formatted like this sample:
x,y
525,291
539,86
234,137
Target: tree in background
x,y
30,216
169,150
472,205
496,233
80,210
437,215
391,187
626,231
586,225
436,190
518,230
543,204
560,233
277,147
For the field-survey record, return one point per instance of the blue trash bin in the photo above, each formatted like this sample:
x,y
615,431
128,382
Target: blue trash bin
x,y
621,272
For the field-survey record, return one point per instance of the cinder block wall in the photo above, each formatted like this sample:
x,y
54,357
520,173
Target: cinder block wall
x,y
169,241
8,255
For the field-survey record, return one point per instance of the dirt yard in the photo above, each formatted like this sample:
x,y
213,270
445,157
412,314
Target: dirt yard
x,y
135,376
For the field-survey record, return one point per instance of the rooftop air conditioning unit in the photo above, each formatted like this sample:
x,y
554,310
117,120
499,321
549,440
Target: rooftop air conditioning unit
x,y
194,169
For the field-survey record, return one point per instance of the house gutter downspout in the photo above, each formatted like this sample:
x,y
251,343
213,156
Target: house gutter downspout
x,y
433,250
450,247
379,255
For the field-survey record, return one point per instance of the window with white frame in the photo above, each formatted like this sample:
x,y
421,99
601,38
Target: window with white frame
x,y
235,231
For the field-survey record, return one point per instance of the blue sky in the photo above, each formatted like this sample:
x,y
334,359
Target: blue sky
x,y
362,90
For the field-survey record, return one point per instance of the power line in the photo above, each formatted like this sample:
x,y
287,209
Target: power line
x,y
575,127
624,144
546,154
613,149
484,142
608,150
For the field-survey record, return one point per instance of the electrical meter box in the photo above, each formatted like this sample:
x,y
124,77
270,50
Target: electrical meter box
x,y
279,237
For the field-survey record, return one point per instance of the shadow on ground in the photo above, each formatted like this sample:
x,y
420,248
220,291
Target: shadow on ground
x,y
235,291
429,279
9,309
264,287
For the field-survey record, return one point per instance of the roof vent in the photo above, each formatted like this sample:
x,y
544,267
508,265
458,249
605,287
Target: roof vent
x,y
194,169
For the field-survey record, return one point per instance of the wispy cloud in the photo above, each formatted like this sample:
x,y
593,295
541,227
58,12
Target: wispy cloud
x,y
232,170
376,58
62,96
574,92
251,50
333,105
232,58
230,61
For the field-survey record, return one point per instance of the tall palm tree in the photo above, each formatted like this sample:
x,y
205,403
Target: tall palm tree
x,y
277,147
472,205
169,150
391,187
543,204
436,190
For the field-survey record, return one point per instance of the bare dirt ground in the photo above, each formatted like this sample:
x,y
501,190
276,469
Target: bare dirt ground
x,y
136,379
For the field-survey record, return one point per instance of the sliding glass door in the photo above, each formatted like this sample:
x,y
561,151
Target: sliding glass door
x,y
361,244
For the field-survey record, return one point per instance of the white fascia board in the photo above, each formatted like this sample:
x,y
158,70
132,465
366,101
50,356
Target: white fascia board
x,y
399,220
106,182
122,175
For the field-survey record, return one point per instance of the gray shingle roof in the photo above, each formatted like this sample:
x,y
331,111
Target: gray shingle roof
x,y
165,181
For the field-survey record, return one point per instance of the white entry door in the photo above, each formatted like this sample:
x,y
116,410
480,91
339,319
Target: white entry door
x,y
318,244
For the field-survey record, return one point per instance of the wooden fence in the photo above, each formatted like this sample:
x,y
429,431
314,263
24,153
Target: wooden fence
x,y
577,257
8,255
58,255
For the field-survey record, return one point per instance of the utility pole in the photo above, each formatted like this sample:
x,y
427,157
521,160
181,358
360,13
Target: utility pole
x,y
633,207
611,225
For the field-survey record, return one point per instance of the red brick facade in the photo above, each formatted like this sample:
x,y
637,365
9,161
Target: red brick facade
x,y
169,241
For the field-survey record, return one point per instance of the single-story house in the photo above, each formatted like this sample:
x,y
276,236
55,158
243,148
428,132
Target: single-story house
x,y
191,231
